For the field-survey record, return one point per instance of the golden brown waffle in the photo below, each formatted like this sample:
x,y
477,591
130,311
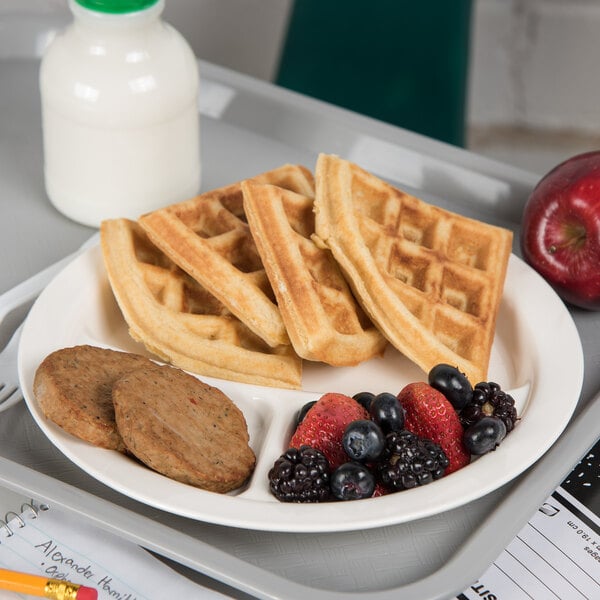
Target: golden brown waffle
x,y
431,280
209,238
323,320
179,321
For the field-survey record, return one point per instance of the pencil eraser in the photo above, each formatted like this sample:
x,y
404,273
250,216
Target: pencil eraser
x,y
86,593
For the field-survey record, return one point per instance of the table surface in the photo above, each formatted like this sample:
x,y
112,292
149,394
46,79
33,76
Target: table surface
x,y
239,113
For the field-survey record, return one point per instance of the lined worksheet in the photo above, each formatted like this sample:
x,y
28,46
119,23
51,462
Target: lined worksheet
x,y
557,554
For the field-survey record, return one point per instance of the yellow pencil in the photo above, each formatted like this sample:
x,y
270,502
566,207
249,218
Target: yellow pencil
x,y
36,585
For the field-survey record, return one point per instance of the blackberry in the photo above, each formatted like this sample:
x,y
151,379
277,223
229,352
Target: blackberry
x,y
489,400
300,475
409,460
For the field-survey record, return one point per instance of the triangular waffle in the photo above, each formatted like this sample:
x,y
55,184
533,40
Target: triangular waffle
x,y
323,320
209,238
180,322
431,280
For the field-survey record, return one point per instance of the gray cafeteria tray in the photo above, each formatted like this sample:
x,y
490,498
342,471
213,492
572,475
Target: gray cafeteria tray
x,y
247,127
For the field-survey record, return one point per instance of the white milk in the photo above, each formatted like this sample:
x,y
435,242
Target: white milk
x,y
119,114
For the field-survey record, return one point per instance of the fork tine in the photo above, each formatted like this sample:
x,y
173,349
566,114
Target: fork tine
x,y
10,393
6,395
13,343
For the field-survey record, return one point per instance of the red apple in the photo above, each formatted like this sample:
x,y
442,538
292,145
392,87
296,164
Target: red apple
x,y
560,236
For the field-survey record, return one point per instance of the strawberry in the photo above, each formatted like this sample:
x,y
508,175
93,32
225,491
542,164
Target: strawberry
x,y
324,424
430,415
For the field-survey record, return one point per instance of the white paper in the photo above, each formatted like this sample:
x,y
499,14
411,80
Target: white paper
x,y
557,554
62,546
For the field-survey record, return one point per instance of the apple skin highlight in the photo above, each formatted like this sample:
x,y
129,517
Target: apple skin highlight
x,y
560,230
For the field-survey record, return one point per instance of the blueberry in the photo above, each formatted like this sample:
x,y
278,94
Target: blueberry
x,y
302,412
363,440
352,481
452,383
364,399
484,435
387,412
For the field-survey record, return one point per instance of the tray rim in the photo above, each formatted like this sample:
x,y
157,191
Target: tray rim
x,y
49,489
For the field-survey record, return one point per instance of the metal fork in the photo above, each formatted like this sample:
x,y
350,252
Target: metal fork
x,y
10,393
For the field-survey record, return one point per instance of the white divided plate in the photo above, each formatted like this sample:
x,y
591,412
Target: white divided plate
x,y
537,357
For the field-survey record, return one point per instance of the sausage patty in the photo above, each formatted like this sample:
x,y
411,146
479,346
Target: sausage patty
x,y
183,428
74,389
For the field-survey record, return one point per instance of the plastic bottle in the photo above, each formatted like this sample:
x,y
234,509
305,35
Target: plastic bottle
x,y
119,93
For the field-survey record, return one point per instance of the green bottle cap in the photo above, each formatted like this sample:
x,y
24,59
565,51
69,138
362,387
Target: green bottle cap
x,y
116,6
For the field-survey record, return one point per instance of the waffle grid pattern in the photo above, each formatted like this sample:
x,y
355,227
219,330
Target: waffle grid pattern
x,y
177,319
434,278
323,319
209,238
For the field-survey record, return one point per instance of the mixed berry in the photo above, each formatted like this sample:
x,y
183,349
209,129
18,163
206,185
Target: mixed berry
x,y
363,440
488,400
387,412
370,445
452,383
352,481
409,460
300,475
484,435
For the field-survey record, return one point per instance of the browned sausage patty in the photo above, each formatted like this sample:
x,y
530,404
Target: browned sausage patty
x,y
183,428
74,389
